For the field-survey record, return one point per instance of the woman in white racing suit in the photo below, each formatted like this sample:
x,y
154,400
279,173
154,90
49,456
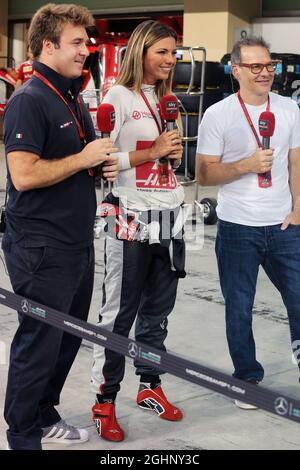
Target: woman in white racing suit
x,y
142,267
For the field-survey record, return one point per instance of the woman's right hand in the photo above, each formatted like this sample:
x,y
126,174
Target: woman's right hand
x,y
166,143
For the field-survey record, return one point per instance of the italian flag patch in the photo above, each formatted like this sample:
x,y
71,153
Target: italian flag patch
x,y
19,136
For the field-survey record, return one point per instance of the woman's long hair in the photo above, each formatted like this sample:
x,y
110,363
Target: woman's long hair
x,y
131,72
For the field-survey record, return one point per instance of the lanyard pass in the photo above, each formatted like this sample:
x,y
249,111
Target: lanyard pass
x,y
264,179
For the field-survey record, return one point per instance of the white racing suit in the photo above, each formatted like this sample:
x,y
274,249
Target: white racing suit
x,y
140,283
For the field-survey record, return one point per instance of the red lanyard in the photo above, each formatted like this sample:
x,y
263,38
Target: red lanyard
x,y
160,129
49,84
249,118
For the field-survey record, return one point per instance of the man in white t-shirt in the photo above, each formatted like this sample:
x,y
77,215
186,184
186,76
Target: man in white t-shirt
x,y
259,225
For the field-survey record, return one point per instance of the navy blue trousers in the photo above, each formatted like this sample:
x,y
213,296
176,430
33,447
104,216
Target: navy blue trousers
x,y
41,355
240,251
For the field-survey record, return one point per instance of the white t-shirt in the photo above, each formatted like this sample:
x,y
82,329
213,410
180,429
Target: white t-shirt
x,y
135,129
225,131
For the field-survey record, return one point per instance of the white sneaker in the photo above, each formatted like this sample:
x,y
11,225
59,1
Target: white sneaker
x,y
245,406
63,433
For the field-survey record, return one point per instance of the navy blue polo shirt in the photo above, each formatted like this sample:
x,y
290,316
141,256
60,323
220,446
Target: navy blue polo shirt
x,y
37,120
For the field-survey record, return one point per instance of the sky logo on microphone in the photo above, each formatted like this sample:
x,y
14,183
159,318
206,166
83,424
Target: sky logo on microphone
x,y
172,107
112,118
263,125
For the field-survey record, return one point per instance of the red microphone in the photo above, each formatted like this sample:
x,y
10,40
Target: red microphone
x,y
169,110
106,117
169,113
266,124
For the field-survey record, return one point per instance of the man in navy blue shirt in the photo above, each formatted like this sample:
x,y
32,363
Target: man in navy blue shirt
x,y
48,244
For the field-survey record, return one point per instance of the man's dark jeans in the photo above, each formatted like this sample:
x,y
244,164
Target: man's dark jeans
x,y
41,355
240,250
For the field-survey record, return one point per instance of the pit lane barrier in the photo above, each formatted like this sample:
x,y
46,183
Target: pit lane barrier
x,y
273,402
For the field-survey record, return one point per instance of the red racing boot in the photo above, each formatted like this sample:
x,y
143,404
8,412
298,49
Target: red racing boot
x,y
155,400
106,422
